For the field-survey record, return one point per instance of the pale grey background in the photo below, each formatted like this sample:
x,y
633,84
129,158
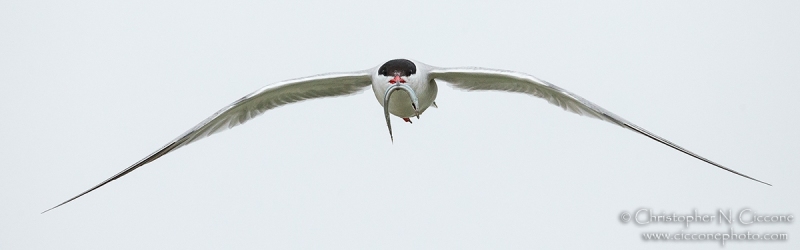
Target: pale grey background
x,y
89,88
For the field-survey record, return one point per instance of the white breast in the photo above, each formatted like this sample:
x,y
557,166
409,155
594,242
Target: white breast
x,y
400,103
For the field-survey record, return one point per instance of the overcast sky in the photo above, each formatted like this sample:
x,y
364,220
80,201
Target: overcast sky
x,y
89,88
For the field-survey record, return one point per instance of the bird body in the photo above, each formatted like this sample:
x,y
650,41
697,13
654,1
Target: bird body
x,y
411,87
424,87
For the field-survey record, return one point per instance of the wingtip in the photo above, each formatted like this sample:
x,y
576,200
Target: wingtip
x,y
73,198
685,151
740,174
45,211
765,183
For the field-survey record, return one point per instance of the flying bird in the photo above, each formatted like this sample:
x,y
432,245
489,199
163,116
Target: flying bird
x,y
410,85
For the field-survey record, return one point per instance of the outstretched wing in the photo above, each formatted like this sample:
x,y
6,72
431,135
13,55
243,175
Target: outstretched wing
x,y
491,79
252,105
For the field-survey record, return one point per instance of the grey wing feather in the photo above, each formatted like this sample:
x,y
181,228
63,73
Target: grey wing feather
x,y
252,105
502,80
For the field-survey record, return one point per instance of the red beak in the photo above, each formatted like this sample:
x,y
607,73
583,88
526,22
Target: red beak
x,y
397,79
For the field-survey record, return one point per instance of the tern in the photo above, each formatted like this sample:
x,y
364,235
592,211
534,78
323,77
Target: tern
x,y
417,83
